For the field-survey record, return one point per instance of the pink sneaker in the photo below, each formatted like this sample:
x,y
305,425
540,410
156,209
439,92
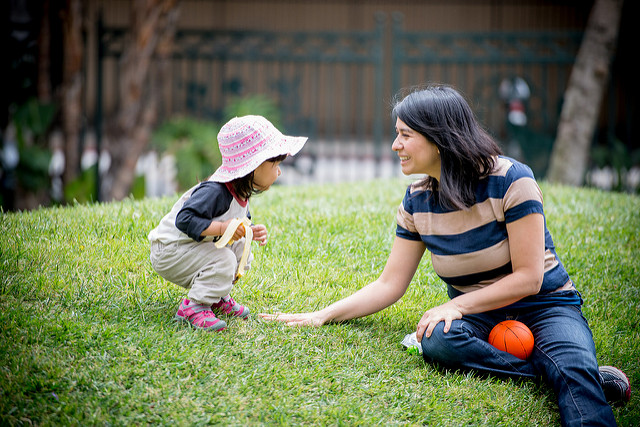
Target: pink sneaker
x,y
199,316
227,305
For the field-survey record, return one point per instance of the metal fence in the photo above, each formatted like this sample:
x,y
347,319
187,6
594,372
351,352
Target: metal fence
x,y
337,86
489,68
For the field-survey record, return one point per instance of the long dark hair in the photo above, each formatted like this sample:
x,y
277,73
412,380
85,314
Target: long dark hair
x,y
244,186
467,151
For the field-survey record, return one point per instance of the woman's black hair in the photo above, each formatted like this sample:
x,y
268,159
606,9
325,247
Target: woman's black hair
x,y
467,151
244,186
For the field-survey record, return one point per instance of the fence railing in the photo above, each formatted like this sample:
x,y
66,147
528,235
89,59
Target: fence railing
x,y
328,85
337,86
484,66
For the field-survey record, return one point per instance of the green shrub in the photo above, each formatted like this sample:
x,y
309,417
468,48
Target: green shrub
x,y
194,145
260,105
32,121
83,188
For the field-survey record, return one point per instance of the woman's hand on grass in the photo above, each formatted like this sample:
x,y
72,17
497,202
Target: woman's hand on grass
x,y
295,319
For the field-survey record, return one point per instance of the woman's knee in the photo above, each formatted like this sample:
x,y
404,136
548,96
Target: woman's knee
x,y
440,345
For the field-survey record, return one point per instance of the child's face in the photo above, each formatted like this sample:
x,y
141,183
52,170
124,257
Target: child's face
x,y
265,175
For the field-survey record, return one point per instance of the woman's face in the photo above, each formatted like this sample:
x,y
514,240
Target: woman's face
x,y
417,154
265,175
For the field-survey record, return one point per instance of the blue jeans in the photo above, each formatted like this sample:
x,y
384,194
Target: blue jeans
x,y
564,355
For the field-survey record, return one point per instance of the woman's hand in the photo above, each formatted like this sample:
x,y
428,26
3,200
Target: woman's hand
x,y
295,319
447,313
259,234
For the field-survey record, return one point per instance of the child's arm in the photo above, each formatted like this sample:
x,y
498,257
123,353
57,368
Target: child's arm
x,y
217,228
209,200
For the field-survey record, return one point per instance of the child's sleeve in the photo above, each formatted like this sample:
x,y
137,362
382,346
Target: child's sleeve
x,y
208,201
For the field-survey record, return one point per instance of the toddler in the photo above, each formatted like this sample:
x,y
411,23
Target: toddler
x,y
203,244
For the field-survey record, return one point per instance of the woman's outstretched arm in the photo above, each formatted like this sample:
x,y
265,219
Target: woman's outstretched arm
x,y
387,289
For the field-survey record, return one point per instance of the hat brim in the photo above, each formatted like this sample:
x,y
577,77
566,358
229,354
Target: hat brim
x,y
289,145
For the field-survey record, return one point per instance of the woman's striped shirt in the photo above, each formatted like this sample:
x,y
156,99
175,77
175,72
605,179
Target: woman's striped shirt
x,y
470,248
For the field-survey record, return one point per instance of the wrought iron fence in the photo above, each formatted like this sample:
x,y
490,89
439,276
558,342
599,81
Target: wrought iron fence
x,y
337,86
328,85
488,67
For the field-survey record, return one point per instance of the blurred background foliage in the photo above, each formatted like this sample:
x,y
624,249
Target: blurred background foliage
x,y
194,146
83,188
618,158
261,105
31,122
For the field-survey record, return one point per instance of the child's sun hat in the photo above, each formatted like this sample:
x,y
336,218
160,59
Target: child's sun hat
x,y
246,142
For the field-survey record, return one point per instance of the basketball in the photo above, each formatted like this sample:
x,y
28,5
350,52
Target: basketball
x,y
513,337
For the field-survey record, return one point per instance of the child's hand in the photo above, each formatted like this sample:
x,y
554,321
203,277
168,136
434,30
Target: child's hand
x,y
239,234
259,234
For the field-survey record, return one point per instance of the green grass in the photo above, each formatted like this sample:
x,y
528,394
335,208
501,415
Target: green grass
x,y
87,337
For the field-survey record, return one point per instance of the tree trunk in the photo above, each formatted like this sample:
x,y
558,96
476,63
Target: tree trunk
x,y
44,55
71,94
152,29
584,94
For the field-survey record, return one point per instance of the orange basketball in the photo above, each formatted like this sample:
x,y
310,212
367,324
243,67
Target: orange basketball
x,y
513,337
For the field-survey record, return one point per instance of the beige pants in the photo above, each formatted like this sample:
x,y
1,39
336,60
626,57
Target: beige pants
x,y
208,272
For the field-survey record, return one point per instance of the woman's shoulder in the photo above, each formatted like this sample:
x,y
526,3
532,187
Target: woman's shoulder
x,y
514,182
418,198
419,186
511,168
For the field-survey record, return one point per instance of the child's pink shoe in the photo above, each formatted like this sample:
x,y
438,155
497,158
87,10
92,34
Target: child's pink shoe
x,y
199,316
228,306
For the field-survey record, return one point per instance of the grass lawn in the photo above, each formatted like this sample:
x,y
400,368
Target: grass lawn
x,y
87,333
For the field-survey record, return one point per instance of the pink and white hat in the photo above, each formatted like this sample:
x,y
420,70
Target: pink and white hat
x,y
246,142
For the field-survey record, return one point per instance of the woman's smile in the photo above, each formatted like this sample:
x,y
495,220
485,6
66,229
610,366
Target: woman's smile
x,y
417,154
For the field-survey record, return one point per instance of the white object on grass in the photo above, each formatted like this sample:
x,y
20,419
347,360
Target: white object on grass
x,y
410,341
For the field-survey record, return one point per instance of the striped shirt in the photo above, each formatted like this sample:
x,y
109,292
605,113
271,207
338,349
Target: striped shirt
x,y
470,248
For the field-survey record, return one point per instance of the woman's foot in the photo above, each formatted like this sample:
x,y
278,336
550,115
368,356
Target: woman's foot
x,y
615,385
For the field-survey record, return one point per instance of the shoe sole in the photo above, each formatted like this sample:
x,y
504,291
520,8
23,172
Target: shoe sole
x,y
231,315
182,320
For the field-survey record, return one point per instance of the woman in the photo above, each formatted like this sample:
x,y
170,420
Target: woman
x,y
480,214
